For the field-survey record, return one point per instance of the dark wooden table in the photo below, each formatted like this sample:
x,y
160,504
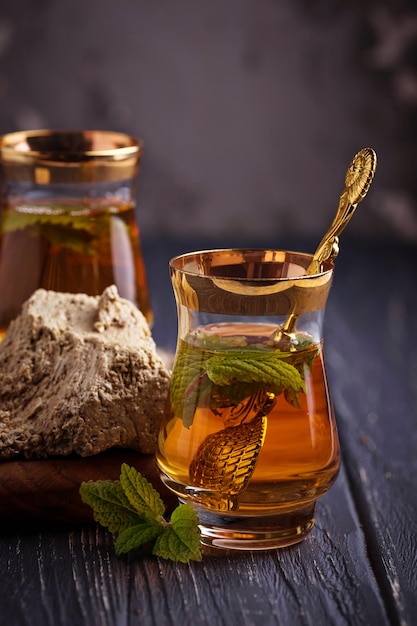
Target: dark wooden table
x,y
358,565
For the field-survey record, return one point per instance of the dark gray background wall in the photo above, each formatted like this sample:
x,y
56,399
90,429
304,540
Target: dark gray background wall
x,y
250,110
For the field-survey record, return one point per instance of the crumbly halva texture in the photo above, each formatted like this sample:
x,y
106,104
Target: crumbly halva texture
x,y
79,374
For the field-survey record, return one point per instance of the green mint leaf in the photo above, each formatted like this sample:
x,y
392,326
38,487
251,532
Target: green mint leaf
x,y
140,493
184,521
169,546
265,369
134,537
110,505
181,540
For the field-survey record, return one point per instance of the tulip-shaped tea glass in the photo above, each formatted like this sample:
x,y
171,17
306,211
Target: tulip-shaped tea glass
x,y
67,219
249,436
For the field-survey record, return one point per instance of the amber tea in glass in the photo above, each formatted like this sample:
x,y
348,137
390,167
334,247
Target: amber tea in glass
x,y
67,220
249,435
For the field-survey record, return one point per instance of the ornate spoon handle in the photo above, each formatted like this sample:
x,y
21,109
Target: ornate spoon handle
x,y
358,179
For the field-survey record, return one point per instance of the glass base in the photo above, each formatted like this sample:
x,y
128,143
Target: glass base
x,y
256,533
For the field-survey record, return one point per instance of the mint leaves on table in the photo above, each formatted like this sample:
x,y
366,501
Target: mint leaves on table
x,y
133,509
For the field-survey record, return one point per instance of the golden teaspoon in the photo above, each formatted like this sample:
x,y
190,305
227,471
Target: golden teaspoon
x,y
224,461
358,179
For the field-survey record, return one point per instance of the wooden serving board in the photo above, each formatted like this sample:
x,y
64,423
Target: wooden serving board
x,y
45,493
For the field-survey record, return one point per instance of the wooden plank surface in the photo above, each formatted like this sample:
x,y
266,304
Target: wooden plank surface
x,y
372,363
358,566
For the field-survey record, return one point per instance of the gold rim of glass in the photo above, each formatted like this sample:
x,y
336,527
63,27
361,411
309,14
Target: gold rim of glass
x,y
69,145
69,156
208,263
249,281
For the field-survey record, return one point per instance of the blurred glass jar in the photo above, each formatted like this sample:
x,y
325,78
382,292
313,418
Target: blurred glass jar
x,y
67,219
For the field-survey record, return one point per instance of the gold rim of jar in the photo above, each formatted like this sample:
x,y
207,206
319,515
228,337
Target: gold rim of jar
x,y
249,281
69,156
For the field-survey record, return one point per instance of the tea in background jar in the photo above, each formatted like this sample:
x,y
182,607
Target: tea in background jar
x,y
67,219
